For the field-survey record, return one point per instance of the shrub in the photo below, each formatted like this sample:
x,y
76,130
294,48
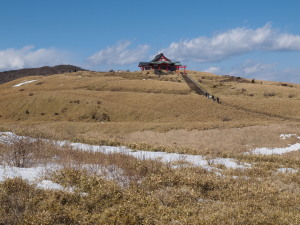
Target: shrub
x,y
286,85
291,95
19,152
226,119
25,152
16,197
269,94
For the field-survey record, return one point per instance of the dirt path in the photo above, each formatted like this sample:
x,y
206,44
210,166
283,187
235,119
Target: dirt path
x,y
200,91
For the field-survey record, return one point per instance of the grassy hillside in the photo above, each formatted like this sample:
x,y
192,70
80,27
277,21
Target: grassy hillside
x,y
124,106
215,182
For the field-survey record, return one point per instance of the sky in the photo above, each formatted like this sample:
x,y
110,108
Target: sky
x,y
248,38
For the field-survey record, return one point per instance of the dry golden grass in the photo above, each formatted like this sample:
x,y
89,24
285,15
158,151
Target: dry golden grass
x,y
150,192
141,107
220,140
272,98
79,98
158,113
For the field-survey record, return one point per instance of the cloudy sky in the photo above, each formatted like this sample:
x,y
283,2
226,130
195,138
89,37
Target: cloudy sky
x,y
250,38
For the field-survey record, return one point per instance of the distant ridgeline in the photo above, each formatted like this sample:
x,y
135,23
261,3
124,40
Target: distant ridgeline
x,y
7,76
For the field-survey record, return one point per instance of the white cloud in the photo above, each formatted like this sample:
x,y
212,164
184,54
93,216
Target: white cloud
x,y
213,69
30,57
264,71
233,42
251,67
119,54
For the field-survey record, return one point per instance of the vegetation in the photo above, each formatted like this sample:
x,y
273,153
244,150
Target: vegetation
x,y
119,189
155,113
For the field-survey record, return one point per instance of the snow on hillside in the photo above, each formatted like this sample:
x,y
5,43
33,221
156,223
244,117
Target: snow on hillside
x,y
26,82
271,151
196,160
34,174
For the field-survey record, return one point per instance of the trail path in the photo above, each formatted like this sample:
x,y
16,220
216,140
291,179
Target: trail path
x,y
201,91
193,85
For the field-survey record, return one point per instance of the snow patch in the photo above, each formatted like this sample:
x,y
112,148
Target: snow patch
x,y
32,175
279,151
26,82
286,170
29,174
49,185
285,136
196,160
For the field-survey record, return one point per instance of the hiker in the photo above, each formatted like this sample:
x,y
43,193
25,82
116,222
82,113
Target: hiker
x,y
218,100
213,98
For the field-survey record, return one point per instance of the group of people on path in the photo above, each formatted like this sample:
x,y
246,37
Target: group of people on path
x,y
217,99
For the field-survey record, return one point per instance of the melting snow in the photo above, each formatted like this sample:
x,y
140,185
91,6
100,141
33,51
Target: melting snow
x,y
49,185
196,160
271,151
285,136
32,175
26,82
287,170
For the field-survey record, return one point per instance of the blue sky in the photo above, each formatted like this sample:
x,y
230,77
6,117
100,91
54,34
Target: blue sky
x,y
253,39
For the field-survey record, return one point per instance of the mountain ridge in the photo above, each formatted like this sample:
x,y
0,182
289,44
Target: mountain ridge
x,y
10,75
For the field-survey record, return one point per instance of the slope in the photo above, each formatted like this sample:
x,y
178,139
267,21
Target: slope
x,y
124,106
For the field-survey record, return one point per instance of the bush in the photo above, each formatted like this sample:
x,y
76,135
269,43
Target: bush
x,y
19,152
16,197
25,152
269,94
226,119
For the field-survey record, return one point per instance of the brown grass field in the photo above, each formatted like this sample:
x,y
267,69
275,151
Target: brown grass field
x,y
144,111
119,189
140,107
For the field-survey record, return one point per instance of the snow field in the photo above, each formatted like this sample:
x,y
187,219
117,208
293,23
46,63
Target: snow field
x,y
34,174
